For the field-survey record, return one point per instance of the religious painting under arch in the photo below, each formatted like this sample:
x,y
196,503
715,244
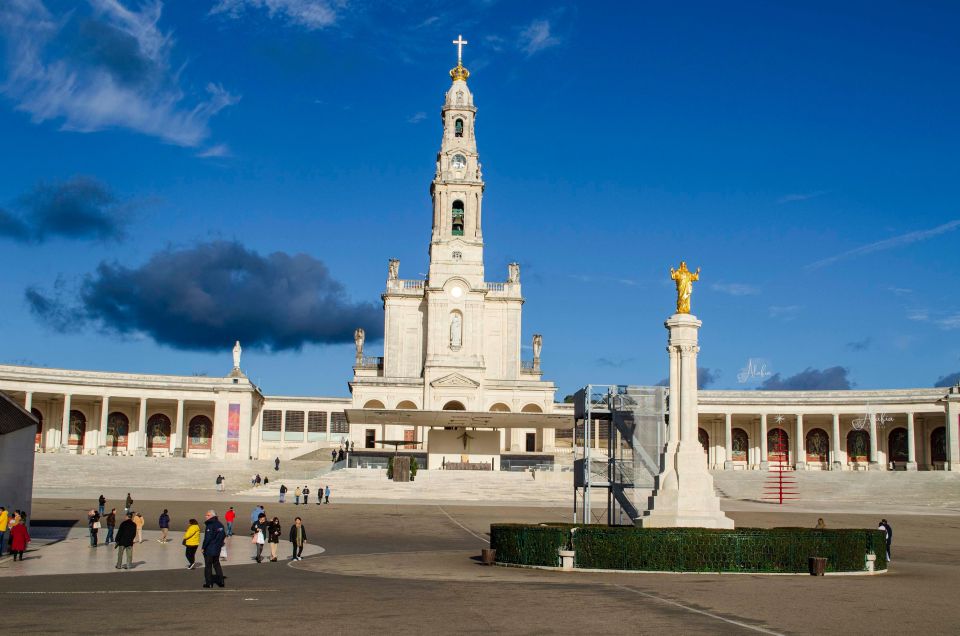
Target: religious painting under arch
x,y
78,428
158,432
818,446
739,444
118,431
858,446
897,445
778,446
199,433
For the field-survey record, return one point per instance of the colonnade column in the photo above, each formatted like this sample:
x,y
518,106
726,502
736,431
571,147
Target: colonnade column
x,y
28,401
176,443
800,460
728,449
764,464
911,444
141,448
104,422
835,437
952,408
65,423
873,442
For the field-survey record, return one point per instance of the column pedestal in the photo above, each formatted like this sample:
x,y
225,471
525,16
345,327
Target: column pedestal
x,y
684,494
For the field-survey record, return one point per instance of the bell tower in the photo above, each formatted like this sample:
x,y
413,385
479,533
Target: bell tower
x,y
456,245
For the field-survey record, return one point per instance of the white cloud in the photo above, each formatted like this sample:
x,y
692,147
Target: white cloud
x,y
536,37
310,14
219,150
784,312
115,72
919,315
949,322
416,118
801,196
735,289
890,243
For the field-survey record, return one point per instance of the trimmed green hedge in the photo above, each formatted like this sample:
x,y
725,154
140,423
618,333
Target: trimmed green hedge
x,y
688,549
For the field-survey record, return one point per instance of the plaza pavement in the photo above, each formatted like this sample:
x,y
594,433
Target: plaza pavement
x,y
414,569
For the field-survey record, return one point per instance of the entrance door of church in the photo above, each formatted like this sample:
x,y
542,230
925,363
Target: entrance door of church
x,y
531,442
370,439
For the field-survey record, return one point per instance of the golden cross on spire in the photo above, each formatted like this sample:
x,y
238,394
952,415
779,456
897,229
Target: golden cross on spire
x,y
459,42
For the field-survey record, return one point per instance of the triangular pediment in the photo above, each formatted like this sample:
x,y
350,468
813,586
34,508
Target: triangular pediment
x,y
454,379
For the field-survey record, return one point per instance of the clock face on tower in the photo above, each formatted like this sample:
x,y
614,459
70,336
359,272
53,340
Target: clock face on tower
x,y
456,292
459,162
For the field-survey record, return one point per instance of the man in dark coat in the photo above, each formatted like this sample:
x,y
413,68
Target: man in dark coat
x,y
213,539
126,534
889,535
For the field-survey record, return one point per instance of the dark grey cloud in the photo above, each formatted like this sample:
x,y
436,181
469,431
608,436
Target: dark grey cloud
x,y
809,379
205,297
948,380
860,345
705,377
78,208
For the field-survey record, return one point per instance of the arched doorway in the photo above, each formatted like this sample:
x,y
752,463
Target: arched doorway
x,y
409,434
858,447
199,433
407,405
500,407
938,445
739,445
373,404
158,433
118,431
78,428
704,438
531,408
818,446
778,446
38,438
897,443
453,405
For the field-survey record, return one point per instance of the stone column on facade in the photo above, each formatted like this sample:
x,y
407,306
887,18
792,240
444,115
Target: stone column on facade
x,y
764,454
873,443
800,460
952,410
104,420
911,444
27,405
65,423
176,436
684,494
835,438
141,446
728,442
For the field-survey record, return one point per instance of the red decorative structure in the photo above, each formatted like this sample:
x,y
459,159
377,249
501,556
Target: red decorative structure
x,y
780,485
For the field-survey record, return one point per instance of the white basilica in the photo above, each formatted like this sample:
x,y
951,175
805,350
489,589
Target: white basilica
x,y
452,383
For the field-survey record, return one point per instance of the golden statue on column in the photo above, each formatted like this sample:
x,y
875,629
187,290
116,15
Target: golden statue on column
x,y
684,278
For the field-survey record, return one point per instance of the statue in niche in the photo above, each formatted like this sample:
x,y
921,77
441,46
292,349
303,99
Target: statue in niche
x,y
393,269
237,350
459,98
537,348
456,331
358,337
513,273
684,278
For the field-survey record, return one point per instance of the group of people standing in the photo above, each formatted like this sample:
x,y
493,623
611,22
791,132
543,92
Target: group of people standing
x,y
15,525
323,494
268,532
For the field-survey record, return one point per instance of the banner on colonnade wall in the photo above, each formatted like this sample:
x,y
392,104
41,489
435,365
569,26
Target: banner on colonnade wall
x,y
233,429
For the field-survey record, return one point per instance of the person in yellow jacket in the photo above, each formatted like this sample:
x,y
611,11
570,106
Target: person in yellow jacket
x,y
4,522
191,539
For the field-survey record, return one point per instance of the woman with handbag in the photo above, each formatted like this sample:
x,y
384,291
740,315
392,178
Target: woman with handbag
x,y
259,535
93,522
191,541
273,531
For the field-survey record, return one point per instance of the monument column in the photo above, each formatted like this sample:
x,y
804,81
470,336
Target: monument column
x,y
764,454
873,443
104,422
176,438
952,409
911,444
728,449
65,423
835,438
141,448
800,460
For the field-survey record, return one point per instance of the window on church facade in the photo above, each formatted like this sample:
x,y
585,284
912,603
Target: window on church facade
x,y
338,423
272,422
317,422
458,128
293,426
458,218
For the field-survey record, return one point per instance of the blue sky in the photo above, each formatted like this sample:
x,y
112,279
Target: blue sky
x,y
175,173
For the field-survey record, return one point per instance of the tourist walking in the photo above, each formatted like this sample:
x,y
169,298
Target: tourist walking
x,y
111,524
93,523
296,496
276,464
126,534
889,535
319,495
259,480
283,493
191,541
19,538
103,504
164,523
229,517
129,503
298,536
258,532
273,537
306,495
327,493
257,511
219,483
213,540
4,524
139,521
333,455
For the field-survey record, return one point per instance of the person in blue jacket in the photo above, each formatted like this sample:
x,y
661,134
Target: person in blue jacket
x,y
212,544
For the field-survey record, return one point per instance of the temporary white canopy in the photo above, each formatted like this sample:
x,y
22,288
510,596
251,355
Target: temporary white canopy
x,y
458,419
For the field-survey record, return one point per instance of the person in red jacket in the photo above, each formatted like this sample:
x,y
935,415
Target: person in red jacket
x,y
229,516
19,538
